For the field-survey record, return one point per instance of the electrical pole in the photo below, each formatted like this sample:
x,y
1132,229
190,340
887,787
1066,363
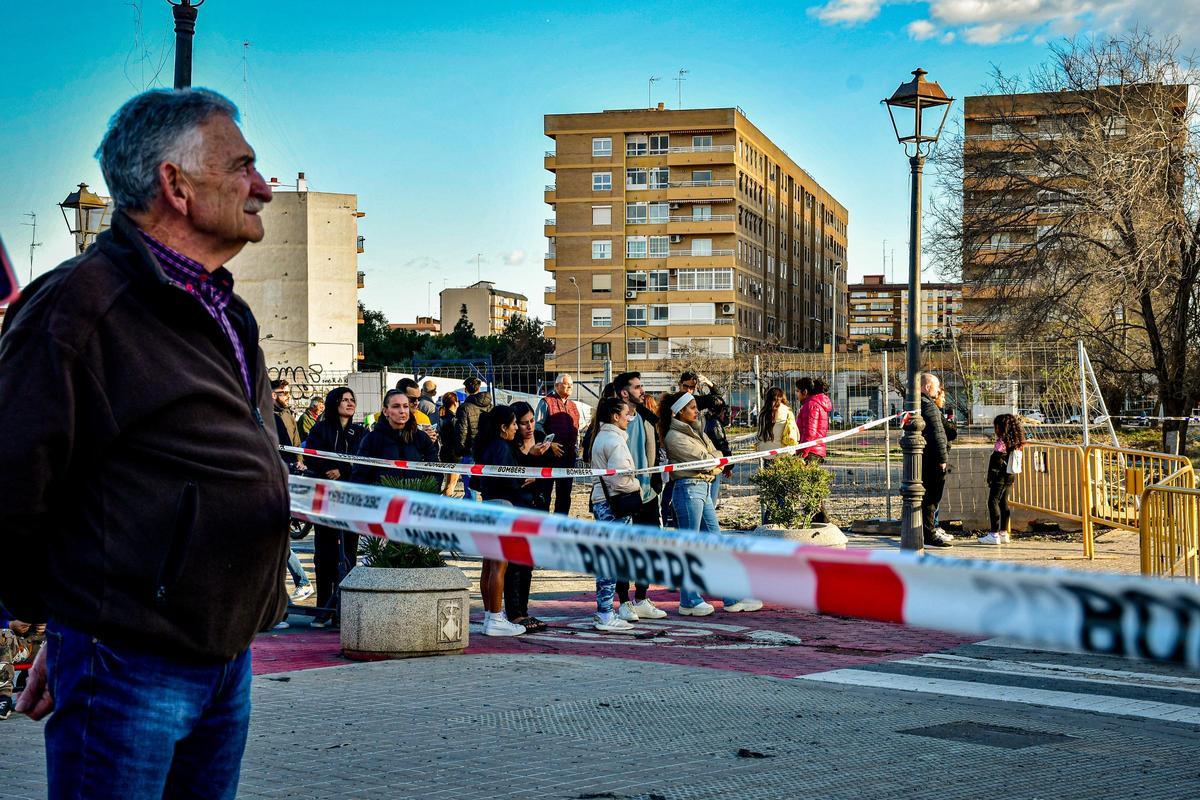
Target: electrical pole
x,y
184,12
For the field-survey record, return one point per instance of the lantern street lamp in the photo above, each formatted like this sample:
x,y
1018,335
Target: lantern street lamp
x,y
926,101
87,217
184,12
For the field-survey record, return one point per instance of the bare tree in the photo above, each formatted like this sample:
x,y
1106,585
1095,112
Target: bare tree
x,y
1070,209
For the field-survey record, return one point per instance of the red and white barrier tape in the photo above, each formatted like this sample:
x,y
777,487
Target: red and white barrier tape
x,y
577,472
1122,615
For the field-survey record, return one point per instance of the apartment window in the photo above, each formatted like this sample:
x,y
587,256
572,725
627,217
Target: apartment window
x,y
1116,126
601,181
602,147
701,141
635,315
635,213
601,216
704,279
660,315
1002,130
701,176
659,280
602,283
701,212
635,281
692,313
716,345
636,145
602,250
660,177
636,178
659,212
601,317
702,247
635,247
659,142
599,351
659,246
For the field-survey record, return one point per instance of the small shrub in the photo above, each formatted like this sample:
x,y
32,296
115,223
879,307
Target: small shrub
x,y
377,552
791,491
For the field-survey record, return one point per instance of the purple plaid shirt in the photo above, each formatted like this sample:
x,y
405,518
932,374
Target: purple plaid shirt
x,y
213,289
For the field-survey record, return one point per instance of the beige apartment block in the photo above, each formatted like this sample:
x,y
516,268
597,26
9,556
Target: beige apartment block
x,y
681,232
879,310
302,280
488,309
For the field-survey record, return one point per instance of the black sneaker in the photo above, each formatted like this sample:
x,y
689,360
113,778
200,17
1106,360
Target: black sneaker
x,y
6,706
937,542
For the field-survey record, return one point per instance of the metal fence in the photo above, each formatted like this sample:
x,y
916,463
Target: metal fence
x,y
1169,532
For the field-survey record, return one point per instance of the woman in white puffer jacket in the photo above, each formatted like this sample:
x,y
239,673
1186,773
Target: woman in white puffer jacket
x,y
610,450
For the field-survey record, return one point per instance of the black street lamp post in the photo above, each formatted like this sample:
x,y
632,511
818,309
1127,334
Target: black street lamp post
x,y
919,96
184,12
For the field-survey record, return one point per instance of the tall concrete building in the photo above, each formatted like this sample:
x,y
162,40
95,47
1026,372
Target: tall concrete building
x,y
686,231
879,310
488,309
302,279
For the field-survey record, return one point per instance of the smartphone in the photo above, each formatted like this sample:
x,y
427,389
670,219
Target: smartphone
x,y
548,439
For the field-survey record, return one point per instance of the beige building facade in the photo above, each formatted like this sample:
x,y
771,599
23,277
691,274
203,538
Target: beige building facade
x,y
302,280
488,309
879,310
687,231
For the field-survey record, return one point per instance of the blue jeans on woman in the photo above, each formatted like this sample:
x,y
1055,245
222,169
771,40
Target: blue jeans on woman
x,y
299,578
132,724
606,589
468,493
694,511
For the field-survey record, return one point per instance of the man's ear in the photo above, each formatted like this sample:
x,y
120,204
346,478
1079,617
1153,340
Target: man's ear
x,y
175,186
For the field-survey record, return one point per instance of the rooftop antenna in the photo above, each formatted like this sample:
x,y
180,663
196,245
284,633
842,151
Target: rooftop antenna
x,y
478,275
245,80
33,242
679,79
649,87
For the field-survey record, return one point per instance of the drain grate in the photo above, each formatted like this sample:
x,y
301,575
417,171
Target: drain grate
x,y
989,735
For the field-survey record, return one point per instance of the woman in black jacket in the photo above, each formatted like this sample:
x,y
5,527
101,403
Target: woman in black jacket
x,y
395,437
495,445
448,438
335,552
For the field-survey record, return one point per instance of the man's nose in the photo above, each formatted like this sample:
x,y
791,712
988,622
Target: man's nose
x,y
259,188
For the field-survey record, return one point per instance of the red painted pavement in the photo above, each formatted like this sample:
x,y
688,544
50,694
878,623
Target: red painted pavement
x,y
777,642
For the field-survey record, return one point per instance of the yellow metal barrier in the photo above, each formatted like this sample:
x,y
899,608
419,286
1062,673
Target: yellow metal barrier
x,y
1170,528
1054,481
1117,479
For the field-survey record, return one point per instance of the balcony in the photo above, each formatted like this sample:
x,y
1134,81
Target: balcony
x,y
717,223
550,226
551,192
550,159
699,156
712,190
693,254
712,148
362,279
712,218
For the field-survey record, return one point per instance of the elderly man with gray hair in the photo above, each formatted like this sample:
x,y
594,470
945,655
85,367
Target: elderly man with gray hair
x,y
934,460
145,498
558,415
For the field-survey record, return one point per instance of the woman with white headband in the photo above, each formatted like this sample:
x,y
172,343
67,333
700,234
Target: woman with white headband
x,y
683,433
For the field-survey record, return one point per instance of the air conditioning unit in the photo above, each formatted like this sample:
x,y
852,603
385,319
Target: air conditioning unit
x,y
727,308
631,295
676,238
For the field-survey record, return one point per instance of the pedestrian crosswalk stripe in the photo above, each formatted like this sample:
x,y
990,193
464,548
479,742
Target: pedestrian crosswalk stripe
x,y
1066,672
1101,704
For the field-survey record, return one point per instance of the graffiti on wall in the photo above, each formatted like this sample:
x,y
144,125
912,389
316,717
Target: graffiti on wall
x,y
307,382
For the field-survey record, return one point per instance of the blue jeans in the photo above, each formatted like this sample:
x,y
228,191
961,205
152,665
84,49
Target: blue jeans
x,y
131,724
715,490
694,511
606,588
468,494
297,569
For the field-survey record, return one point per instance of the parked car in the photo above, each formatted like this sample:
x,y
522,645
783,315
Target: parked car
x,y
1032,416
836,420
860,417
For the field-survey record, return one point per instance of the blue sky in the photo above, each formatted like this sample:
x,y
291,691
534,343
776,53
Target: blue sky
x,y
432,115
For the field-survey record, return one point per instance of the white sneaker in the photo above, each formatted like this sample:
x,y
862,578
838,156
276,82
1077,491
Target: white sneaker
x,y
500,626
647,610
992,538
747,604
283,625
610,623
949,537
625,611
1005,537
702,609
302,592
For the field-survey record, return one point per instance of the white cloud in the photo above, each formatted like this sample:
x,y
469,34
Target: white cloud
x,y
847,12
513,257
921,29
987,22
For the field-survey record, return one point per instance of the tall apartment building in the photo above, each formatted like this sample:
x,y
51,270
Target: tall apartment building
x,y
488,309
302,279
879,310
685,231
1022,178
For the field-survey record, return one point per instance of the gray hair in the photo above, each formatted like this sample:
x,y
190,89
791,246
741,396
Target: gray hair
x,y
316,401
153,127
561,377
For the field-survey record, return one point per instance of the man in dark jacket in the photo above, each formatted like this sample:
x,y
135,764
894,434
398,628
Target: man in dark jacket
x,y
934,460
144,496
467,422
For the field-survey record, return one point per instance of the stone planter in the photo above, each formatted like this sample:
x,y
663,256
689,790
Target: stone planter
x,y
825,534
401,613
